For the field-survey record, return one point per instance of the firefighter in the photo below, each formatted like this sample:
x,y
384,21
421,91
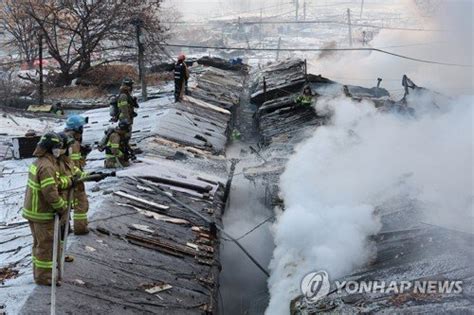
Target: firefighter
x,y
57,109
117,150
126,103
181,76
74,128
69,176
307,98
42,202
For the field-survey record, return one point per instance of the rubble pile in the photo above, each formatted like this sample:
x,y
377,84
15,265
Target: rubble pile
x,y
216,86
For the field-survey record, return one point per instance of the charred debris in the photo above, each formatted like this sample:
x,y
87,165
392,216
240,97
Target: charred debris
x,y
414,251
148,254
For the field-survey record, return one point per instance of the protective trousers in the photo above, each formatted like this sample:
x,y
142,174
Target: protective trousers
x,y
43,237
179,88
81,206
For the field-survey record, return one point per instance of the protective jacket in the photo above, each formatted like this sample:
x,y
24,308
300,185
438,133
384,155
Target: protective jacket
x,y
115,151
304,100
125,105
76,156
42,199
181,76
80,201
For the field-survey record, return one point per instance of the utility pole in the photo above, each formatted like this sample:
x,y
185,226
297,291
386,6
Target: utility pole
x,y
379,80
278,48
305,70
304,10
264,89
240,26
349,25
261,26
40,57
361,9
297,4
138,23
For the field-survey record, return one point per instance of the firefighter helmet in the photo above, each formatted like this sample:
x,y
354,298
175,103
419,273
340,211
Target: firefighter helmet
x,y
66,139
127,82
50,140
75,122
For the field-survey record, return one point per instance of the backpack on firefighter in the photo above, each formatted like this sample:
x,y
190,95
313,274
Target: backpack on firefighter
x,y
113,109
105,139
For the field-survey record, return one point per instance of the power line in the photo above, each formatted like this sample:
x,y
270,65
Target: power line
x,y
208,220
412,29
318,49
250,11
344,23
252,229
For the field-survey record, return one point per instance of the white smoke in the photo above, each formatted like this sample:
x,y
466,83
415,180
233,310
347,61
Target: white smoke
x,y
452,43
336,179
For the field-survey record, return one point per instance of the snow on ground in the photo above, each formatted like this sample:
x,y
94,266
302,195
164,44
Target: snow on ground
x,y
16,239
14,125
15,235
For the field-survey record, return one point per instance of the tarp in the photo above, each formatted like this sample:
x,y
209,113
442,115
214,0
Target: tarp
x,y
40,108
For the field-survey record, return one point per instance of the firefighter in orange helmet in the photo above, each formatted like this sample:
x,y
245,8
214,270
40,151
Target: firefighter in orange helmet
x,y
181,76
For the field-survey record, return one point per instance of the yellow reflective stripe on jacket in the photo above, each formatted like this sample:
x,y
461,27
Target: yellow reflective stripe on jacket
x,y
46,264
59,204
79,172
33,185
79,216
122,103
33,169
35,188
45,216
64,182
113,145
34,200
47,181
119,154
76,156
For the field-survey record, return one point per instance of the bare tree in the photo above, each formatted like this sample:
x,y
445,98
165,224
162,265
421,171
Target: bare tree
x,y
20,29
77,31
8,87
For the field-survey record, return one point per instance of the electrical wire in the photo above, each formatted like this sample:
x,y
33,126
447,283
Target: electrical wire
x,y
252,229
345,23
332,22
319,49
221,229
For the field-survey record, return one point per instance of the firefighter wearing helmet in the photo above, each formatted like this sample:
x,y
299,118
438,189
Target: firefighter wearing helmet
x,y
117,149
43,200
78,153
181,76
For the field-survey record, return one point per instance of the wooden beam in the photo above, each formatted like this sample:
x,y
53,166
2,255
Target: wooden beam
x,y
140,200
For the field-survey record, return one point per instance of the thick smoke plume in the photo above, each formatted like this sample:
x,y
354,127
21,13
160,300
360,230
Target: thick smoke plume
x,y
336,179
363,158
450,40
